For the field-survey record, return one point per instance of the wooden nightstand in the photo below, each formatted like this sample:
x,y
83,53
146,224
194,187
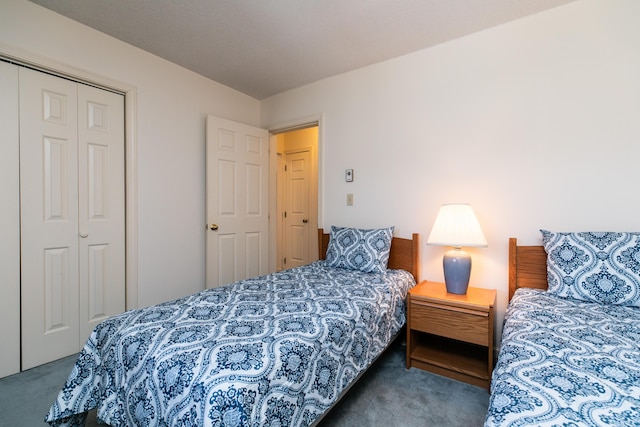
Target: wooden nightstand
x,y
449,334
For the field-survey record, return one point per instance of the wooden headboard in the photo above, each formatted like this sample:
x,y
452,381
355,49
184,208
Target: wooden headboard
x,y
527,267
405,253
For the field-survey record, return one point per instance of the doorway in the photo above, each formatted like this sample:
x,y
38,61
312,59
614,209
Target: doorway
x,y
297,197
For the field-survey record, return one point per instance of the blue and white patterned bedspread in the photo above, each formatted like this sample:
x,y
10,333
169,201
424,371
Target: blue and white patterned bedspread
x,y
566,363
274,350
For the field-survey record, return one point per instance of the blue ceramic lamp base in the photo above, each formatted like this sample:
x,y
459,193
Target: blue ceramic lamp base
x,y
457,270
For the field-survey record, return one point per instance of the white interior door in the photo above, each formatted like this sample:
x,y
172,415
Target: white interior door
x,y
101,206
9,222
296,221
49,217
237,201
72,213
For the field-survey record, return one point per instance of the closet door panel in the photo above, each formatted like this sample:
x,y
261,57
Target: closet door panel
x,y
49,217
9,222
101,204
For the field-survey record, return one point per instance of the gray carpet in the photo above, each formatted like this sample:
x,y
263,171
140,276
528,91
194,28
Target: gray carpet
x,y
387,395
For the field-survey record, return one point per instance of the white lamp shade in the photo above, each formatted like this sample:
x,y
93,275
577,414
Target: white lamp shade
x,y
456,225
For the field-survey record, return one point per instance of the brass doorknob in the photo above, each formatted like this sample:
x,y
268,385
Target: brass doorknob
x,y
305,221
213,227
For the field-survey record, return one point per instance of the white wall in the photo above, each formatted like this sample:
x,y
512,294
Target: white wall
x,y
172,104
536,123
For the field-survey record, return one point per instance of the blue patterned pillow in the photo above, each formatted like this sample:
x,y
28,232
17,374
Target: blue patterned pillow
x,y
358,249
596,267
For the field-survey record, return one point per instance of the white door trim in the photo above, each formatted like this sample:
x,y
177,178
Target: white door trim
x,y
23,57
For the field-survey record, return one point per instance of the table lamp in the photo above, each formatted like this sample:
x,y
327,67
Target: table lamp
x,y
456,225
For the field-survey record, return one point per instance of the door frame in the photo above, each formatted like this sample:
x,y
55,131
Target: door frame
x,y
279,208
20,56
274,130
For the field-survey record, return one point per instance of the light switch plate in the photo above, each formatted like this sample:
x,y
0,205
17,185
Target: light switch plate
x,y
349,199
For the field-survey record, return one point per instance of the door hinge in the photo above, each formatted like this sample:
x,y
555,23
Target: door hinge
x,y
284,261
285,214
285,168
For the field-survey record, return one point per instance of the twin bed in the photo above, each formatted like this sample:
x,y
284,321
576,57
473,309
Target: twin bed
x,y
570,352
280,349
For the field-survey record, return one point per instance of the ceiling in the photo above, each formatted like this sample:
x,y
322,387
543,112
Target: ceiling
x,y
264,47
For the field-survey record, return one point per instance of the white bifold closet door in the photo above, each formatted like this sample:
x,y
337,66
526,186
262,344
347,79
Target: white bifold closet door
x,y
72,213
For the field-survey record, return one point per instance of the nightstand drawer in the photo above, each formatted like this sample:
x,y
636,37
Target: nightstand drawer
x,y
451,322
